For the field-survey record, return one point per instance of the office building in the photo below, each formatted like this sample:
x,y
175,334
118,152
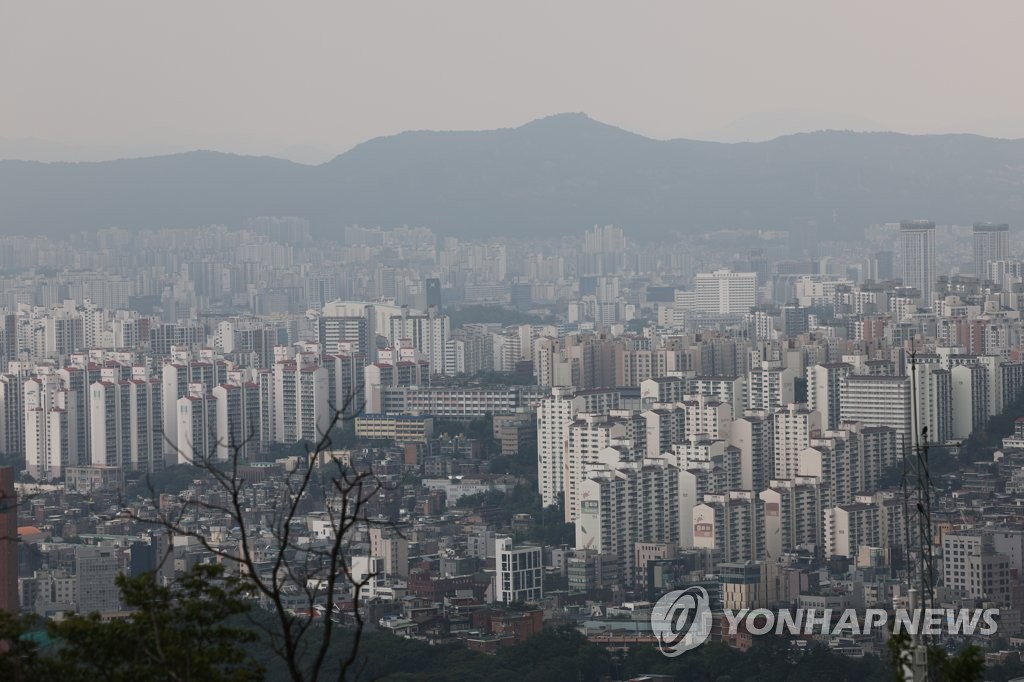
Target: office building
x,y
723,292
519,573
972,568
96,569
917,252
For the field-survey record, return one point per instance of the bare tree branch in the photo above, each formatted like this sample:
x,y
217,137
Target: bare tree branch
x,y
275,564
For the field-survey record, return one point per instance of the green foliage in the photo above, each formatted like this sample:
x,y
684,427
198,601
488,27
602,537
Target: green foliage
x,y
966,666
508,378
481,428
564,654
523,464
984,441
770,659
554,655
174,479
522,499
19,646
549,527
176,632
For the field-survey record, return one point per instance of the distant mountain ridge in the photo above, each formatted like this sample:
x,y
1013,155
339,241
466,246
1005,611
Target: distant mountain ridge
x,y
553,176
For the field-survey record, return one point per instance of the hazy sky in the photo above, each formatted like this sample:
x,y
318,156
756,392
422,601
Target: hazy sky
x,y
268,77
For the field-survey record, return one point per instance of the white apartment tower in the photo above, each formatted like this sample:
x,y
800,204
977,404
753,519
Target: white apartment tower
x,y
754,435
824,390
196,428
109,414
299,396
732,523
145,450
589,436
770,386
875,520
878,401
554,417
50,427
706,417
792,515
934,399
625,503
795,424
237,423
176,378
428,333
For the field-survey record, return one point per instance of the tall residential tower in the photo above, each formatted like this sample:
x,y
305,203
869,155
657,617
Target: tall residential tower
x,y
991,242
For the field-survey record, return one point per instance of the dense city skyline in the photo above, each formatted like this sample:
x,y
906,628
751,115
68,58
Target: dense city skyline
x,y
459,340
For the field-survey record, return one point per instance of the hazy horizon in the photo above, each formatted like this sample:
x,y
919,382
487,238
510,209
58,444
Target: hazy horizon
x,y
115,78
34,149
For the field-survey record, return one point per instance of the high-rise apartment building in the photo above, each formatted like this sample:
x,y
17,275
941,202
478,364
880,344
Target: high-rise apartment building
x,y
917,251
589,436
795,424
732,523
294,401
12,435
770,386
849,460
792,515
177,376
706,417
428,333
237,425
626,503
49,427
345,382
604,250
879,401
933,399
824,384
754,435
196,420
991,243
871,520
554,417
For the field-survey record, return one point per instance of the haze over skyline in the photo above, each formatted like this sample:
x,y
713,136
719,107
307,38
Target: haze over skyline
x,y
114,78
